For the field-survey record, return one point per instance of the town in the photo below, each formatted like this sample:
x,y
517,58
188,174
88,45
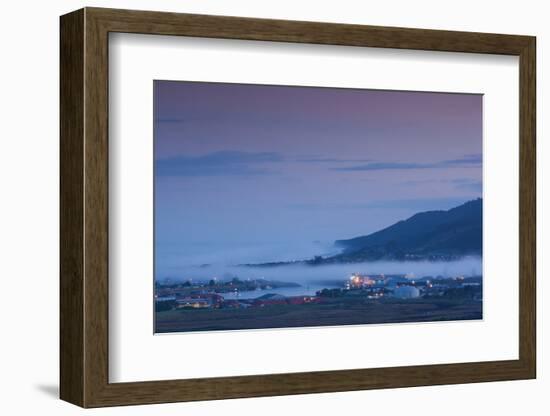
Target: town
x,y
236,293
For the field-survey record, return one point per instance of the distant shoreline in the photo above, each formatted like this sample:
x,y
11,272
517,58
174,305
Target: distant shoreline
x,y
341,259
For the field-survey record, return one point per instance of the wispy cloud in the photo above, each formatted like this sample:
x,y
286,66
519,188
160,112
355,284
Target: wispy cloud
x,y
474,159
413,204
314,159
458,183
385,166
468,161
217,164
170,120
419,204
468,185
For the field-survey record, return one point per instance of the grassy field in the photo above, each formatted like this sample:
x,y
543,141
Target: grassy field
x,y
340,311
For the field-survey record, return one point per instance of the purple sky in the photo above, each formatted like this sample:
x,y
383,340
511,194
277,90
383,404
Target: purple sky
x,y
251,164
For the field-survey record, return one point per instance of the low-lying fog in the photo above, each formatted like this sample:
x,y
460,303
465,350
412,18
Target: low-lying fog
x,y
206,262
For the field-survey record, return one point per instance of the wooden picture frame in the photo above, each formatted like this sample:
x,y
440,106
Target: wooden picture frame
x,y
84,207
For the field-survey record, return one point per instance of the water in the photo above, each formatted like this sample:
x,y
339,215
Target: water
x,y
309,290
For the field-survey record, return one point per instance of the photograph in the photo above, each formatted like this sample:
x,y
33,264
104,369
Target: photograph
x,y
277,207
292,206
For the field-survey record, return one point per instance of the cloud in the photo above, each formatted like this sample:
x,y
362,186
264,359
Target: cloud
x,y
468,185
314,159
413,204
170,120
420,204
464,184
217,164
385,166
474,159
468,161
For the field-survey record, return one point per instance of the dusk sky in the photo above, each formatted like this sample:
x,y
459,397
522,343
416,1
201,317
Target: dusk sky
x,y
241,166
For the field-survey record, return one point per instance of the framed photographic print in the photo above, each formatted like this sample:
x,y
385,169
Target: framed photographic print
x,y
256,207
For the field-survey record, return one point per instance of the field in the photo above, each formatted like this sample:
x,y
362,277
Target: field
x,y
333,312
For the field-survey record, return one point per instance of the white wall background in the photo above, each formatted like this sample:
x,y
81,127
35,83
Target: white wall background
x,y
29,172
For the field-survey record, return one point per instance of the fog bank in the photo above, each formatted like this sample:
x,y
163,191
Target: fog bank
x,y
305,274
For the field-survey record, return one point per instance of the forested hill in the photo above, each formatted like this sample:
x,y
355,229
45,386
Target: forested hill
x,y
433,234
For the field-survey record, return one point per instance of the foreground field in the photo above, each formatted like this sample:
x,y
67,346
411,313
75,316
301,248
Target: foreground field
x,y
331,313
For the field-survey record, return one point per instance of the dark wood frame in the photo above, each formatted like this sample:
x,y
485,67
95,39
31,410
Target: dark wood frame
x,y
84,207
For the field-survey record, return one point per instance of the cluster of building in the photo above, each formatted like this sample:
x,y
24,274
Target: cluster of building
x,y
202,300
406,287
358,285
